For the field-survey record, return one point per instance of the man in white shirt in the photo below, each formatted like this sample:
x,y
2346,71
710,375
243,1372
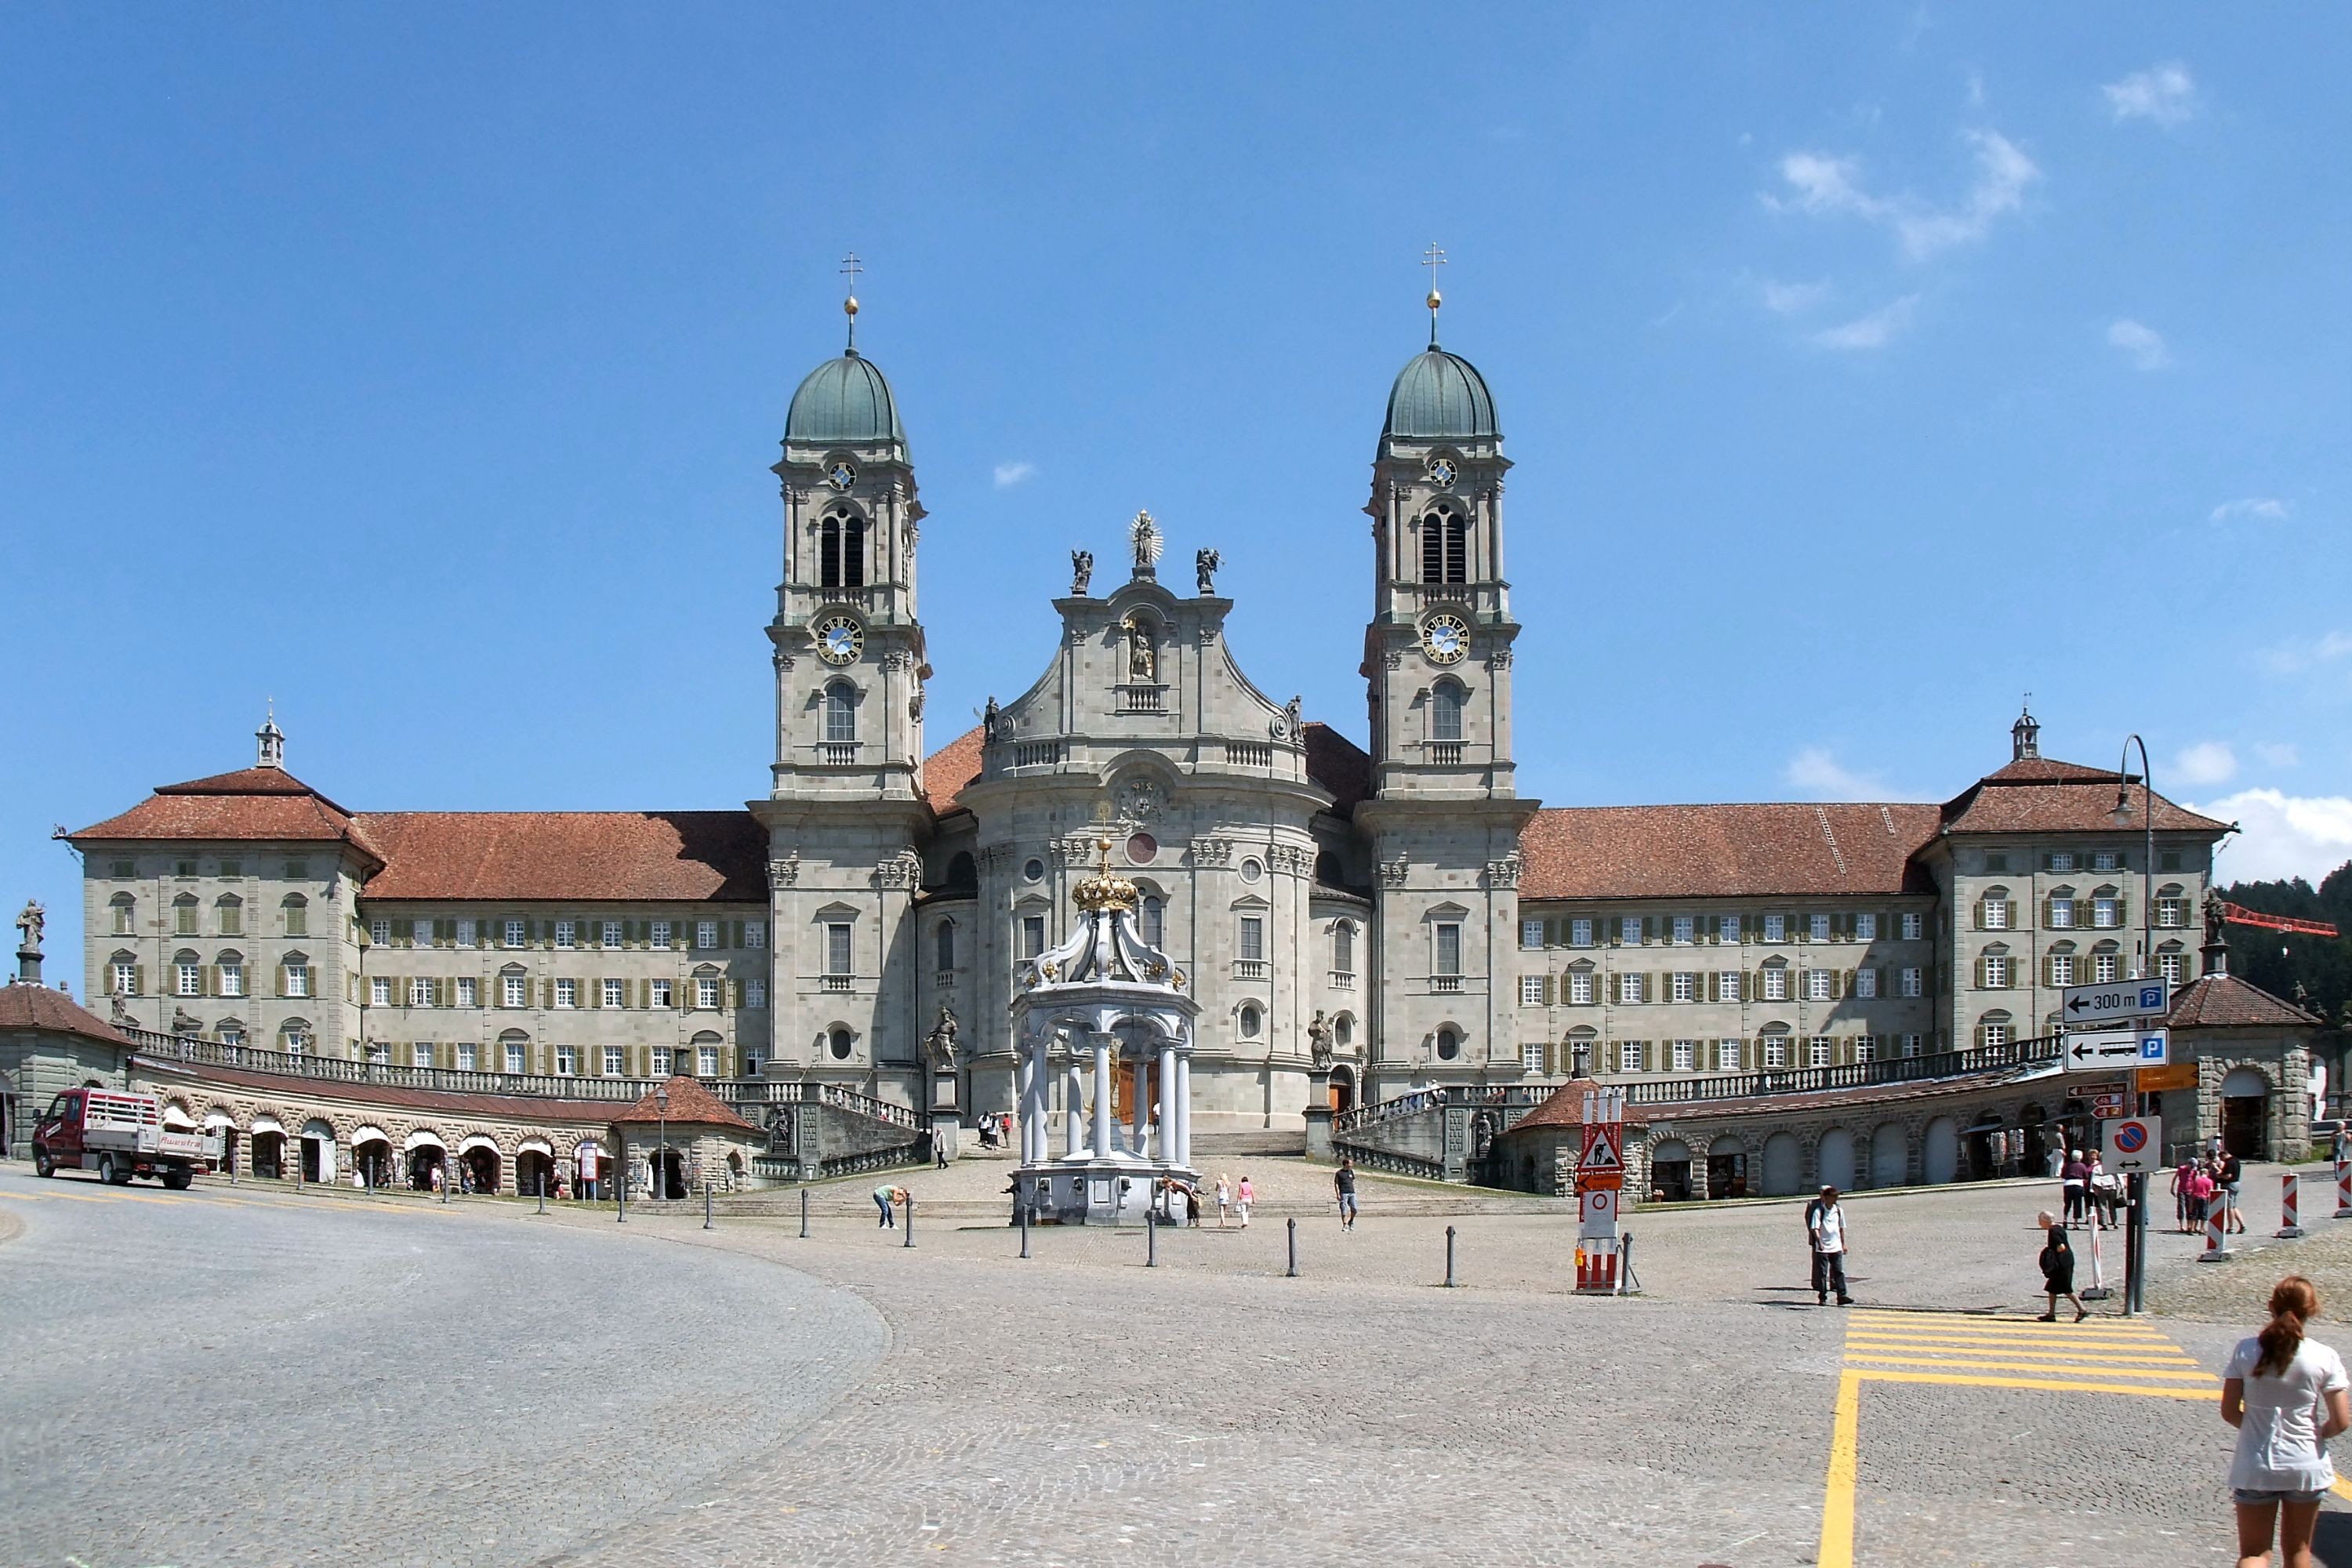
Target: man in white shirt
x,y
1825,1228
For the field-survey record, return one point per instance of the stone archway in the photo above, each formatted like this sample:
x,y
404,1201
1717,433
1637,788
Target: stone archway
x,y
479,1166
1784,1165
2245,1112
1833,1159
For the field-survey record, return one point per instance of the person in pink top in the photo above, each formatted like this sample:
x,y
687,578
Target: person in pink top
x,y
1244,1195
2201,1199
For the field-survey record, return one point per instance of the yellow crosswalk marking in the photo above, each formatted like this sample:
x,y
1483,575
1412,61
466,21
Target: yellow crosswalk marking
x,y
2171,1371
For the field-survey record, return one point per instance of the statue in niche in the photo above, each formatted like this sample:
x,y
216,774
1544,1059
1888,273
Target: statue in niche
x,y
1319,1042
942,1040
1082,571
1143,659
1204,568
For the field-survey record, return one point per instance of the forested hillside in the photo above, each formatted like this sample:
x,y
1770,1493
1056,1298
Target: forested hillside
x,y
2278,962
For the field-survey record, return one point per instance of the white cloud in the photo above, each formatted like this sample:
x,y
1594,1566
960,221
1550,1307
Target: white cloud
x,y
2293,658
2145,345
1816,771
1791,299
1011,474
2268,507
1822,185
2164,93
1874,331
2207,763
2279,753
2283,835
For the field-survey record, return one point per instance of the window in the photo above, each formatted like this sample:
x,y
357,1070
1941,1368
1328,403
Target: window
x,y
466,930
1776,928
2107,861
841,549
1685,987
1729,927
841,1044
1996,914
755,934
615,994
1911,927
567,934
660,937
1996,861
232,977
1727,985
2062,969
1253,939
1445,711
518,932
1635,1054
1865,983
1996,972
1817,1051
295,911
230,913
662,994
1531,933
1817,927
608,933
1449,1044
706,934
1250,1019
706,993
1531,1058
1776,1050
518,1055
1685,931
126,915
468,992
420,1054
1444,547
2166,860
420,992
131,868
517,990
2061,914
1686,1051
1152,921
836,947
1343,948
1580,988
1817,985
706,1061
2169,911
379,1055
124,978
1909,981
1629,931
1531,990
1732,1057
1449,948
1776,982
2105,969
1579,933
840,713
466,1059
755,995
2061,860
2169,965
2105,913
184,868
183,916
1996,1033
380,990
613,1067
567,1061
567,992
1865,1047
1632,988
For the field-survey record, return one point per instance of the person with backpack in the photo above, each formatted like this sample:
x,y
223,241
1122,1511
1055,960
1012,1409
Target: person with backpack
x,y
2058,1275
1826,1230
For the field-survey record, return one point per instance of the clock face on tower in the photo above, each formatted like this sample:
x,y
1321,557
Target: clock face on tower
x,y
840,474
1445,638
839,639
1441,470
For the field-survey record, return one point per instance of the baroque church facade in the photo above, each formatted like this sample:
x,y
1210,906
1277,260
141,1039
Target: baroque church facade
x,y
1401,910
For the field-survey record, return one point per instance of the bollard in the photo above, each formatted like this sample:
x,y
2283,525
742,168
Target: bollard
x,y
1023,1209
1292,1273
910,1221
621,1200
543,1191
1150,1240
705,1205
2290,1201
2343,1189
2217,1250
803,1214
1449,1257
445,1184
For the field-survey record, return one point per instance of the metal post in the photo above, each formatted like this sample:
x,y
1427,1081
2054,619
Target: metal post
x,y
2135,1242
446,1183
1449,1257
621,1187
543,1191
706,1203
1292,1273
803,1214
1023,1207
910,1221
1150,1240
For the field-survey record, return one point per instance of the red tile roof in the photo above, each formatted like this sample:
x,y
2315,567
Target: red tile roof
x,y
28,1006
551,855
1723,851
2037,794
690,1105
2226,1001
1565,1107
948,769
251,803
1338,764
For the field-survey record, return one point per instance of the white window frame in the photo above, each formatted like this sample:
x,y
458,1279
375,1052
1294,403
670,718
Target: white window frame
x,y
1531,990
466,930
1732,1055
1633,990
706,934
2106,914
567,1061
1914,923
1686,930
707,993
380,990
1629,931
1446,948
2062,913
1818,1053
125,979
1635,1054
1579,931
1776,928
615,1062
706,1061
1865,926
420,991
1531,933
2106,968
468,1060
1776,982
420,1053
1866,985
1732,929
2170,966
664,993
516,1057
1580,988
661,1061
755,934
1731,985
567,934
567,994
755,994
518,933
1686,1053
1817,928
515,989
1996,972
2062,969
615,992
1776,1050
1865,1049
1684,986
612,933
1909,979
1819,986
468,992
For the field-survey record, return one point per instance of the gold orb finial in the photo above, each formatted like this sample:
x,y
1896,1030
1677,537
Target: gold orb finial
x,y
1435,298
850,306
1105,889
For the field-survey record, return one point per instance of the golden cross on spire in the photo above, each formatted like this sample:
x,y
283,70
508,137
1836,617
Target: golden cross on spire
x,y
1433,258
850,267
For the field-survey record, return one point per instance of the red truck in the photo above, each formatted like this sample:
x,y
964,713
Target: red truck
x,y
118,1136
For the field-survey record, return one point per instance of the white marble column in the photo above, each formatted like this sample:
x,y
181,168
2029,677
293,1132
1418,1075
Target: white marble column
x,y
1184,1109
1074,1111
1143,1104
1167,1103
1024,1081
1103,1147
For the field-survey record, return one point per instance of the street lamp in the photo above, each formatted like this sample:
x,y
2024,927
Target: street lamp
x,y
2135,1214
661,1139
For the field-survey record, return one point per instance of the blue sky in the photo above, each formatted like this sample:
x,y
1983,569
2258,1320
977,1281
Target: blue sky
x,y
421,369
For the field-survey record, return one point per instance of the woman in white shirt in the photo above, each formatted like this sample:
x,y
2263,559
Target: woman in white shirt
x,y
2286,1397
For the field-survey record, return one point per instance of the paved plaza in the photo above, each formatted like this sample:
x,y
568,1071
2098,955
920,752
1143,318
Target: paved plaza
x,y
258,1376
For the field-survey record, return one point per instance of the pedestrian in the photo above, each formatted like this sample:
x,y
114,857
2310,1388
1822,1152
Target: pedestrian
x,y
939,1151
2074,1183
2286,1397
1244,1195
2201,1199
885,1196
1825,1229
1224,1198
2184,1179
2058,1275
2229,1179
2337,1145
1343,1182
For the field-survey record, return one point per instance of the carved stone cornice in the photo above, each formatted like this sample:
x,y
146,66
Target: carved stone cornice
x,y
784,873
1502,873
1077,850
1394,872
1499,659
904,869
1213,851
1291,858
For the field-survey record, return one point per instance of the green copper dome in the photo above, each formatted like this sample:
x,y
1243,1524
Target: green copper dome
x,y
845,401
1440,397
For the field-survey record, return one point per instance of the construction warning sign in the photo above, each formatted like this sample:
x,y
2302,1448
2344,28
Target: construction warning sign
x,y
1601,1166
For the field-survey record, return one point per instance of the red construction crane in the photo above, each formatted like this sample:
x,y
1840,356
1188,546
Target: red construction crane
x,y
2238,915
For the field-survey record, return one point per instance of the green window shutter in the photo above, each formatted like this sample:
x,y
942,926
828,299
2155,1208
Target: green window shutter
x,y
735,933
2011,908
1550,990
1649,930
282,980
1616,989
139,979
547,994
404,929
1980,975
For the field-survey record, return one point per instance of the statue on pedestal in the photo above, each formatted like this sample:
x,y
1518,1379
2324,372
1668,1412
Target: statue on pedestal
x,y
1319,1042
942,1040
1204,570
1082,571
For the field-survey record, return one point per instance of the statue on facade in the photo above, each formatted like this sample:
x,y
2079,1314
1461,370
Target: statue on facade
x,y
122,1013
2214,917
184,1022
31,923
1293,715
1319,1042
1204,568
1082,571
988,721
942,1040
1143,659
1144,535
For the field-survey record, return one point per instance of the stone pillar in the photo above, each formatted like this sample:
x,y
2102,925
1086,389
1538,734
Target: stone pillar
x,y
1025,1085
1074,1109
1166,1146
1143,1104
1102,1098
1318,1114
1183,1146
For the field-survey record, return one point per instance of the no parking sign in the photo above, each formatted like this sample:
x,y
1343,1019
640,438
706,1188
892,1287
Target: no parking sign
x,y
1596,1214
2133,1144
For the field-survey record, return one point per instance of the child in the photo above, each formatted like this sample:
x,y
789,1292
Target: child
x,y
2058,1275
2201,1199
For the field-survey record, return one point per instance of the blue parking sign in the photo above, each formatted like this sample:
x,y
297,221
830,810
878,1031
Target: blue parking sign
x,y
2152,997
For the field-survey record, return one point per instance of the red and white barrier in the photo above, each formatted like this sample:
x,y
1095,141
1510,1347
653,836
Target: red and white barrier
x,y
2290,1185
2217,1248
2343,1189
1596,1271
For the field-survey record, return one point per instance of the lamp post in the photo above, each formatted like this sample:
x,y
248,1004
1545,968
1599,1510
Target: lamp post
x,y
661,1141
2136,1214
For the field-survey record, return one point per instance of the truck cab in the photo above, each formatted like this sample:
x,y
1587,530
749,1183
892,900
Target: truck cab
x,y
118,1136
